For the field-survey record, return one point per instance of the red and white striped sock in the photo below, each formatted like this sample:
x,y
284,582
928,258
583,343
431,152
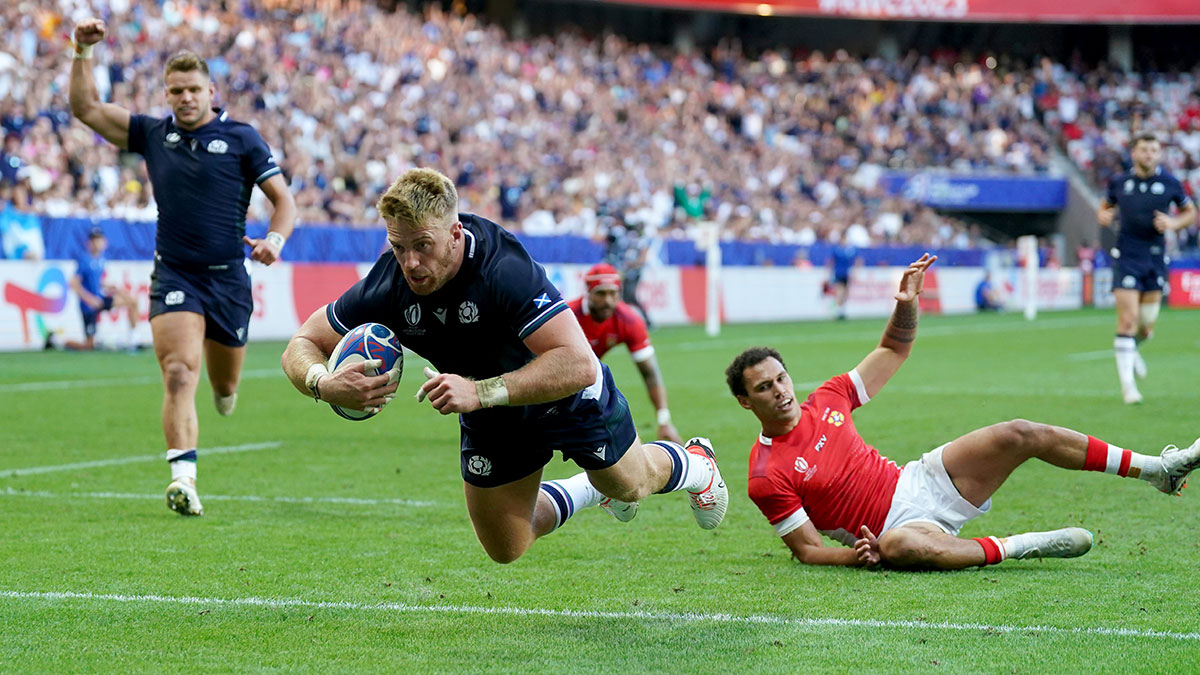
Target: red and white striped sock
x,y
1108,458
993,550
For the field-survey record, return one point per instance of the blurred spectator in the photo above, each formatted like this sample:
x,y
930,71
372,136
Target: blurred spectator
x,y
20,227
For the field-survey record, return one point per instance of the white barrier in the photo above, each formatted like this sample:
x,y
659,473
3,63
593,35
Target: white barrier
x,y
36,297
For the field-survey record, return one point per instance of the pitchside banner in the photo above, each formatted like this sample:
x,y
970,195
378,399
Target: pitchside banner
x,y
37,297
970,192
1012,11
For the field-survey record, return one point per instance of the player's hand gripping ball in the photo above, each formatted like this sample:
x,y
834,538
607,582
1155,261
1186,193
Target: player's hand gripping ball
x,y
366,342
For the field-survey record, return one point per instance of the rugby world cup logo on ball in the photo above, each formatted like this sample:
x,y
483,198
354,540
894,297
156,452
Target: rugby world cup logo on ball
x,y
370,341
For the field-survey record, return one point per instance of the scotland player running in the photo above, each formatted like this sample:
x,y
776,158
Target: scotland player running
x,y
203,167
812,474
1144,197
514,364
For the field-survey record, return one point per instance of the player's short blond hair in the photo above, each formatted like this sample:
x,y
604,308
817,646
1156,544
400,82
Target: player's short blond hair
x,y
185,62
419,197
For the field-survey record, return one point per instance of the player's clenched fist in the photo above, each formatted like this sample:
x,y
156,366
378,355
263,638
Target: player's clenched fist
x,y
90,31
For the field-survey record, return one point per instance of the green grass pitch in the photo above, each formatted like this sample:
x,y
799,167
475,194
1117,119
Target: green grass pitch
x,y
330,545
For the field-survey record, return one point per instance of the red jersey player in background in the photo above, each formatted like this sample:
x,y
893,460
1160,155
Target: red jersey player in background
x,y
608,322
811,473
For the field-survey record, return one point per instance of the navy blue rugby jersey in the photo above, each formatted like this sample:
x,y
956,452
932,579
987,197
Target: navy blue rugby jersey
x,y
473,326
1138,199
202,182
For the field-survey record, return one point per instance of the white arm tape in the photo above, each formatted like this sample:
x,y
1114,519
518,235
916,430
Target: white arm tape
x,y
275,239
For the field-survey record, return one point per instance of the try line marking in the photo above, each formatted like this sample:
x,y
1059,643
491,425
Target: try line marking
x,y
673,617
160,457
358,501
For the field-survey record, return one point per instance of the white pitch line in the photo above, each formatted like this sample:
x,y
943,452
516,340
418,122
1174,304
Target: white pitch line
x,y
1090,356
161,457
54,385
678,617
357,501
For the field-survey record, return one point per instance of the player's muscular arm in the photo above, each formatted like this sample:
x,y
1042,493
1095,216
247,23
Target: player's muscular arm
x,y
312,344
564,363
806,544
894,347
108,120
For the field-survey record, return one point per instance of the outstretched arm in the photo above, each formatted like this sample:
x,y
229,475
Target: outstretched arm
x,y
108,120
894,347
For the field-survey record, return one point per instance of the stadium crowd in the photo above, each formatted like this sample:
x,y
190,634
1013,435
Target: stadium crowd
x,y
565,134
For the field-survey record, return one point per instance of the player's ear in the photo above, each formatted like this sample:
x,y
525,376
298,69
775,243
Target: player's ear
x,y
743,401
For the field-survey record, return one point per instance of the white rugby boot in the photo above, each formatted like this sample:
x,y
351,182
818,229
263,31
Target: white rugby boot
x,y
1177,464
1131,395
183,499
225,404
622,511
1069,542
709,504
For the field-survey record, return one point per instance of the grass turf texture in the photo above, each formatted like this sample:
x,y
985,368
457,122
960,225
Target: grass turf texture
x,y
385,584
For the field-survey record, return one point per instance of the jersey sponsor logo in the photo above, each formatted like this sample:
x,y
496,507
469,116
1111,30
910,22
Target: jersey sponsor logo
x,y
468,312
413,315
1157,188
173,298
1128,281
172,139
218,146
836,418
1142,187
801,464
821,443
542,300
480,466
440,313
1129,186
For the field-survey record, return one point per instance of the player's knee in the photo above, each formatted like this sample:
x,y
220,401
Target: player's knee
x,y
1019,433
178,377
904,548
504,552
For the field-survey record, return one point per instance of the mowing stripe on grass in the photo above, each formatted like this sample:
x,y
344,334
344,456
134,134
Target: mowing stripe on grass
x,y
357,501
800,336
160,457
677,617
1090,356
51,385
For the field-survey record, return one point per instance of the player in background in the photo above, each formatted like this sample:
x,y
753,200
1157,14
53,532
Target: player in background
x,y
95,297
1142,199
607,321
842,258
203,166
515,367
811,473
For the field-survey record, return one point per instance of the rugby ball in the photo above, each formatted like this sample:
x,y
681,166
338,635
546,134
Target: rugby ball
x,y
366,342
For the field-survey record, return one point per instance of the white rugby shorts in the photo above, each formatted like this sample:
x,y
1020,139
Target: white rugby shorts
x,y
925,494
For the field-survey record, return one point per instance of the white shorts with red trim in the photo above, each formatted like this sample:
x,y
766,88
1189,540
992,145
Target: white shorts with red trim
x,y
925,494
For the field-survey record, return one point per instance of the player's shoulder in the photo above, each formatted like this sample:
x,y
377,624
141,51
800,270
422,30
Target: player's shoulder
x,y
628,315
576,305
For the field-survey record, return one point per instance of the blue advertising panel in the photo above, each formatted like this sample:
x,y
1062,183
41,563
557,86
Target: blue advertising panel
x,y
979,192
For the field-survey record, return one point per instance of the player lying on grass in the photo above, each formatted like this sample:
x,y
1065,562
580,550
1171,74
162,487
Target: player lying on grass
x,y
515,368
812,474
